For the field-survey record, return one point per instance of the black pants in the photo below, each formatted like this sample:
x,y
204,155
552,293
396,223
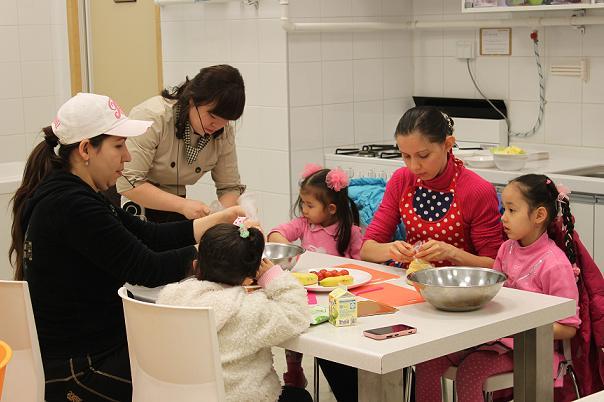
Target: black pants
x,y
344,381
293,394
100,377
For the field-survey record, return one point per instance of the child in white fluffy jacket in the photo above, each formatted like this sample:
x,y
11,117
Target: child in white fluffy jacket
x,y
248,324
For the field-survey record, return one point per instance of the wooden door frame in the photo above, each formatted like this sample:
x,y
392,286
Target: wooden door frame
x,y
74,44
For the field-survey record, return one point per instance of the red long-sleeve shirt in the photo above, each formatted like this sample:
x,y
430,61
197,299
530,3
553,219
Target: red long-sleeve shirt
x,y
477,199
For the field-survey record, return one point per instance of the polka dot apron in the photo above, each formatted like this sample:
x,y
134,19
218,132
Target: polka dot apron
x,y
429,214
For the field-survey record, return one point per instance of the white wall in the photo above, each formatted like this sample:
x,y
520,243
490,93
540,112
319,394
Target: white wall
x,y
574,109
346,88
34,71
198,35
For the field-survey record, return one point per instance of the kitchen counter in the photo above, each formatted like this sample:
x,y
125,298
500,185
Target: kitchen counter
x,y
560,159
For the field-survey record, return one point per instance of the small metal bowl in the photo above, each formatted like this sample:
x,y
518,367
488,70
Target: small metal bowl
x,y
458,288
285,255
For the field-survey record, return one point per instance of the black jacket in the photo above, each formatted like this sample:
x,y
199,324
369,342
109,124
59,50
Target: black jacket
x,y
82,251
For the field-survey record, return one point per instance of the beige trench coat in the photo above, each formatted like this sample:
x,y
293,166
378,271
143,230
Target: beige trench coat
x,y
158,157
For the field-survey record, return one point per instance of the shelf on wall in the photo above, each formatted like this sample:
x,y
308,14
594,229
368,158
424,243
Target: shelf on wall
x,y
551,7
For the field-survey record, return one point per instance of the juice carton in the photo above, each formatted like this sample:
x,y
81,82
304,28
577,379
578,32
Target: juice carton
x,y
342,307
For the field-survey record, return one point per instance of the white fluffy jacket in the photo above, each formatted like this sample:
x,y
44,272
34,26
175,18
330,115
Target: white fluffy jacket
x,y
248,325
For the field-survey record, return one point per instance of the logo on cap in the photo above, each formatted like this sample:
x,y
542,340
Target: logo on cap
x,y
56,122
114,106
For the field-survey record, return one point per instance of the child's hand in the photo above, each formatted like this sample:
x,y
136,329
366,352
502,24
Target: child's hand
x,y
228,215
401,251
265,265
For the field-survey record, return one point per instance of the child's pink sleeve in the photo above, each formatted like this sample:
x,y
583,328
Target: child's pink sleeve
x,y
270,275
292,230
356,241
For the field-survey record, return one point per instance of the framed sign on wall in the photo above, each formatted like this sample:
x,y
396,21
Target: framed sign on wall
x,y
495,41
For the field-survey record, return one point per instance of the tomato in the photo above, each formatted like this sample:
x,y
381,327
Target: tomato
x,y
329,274
344,272
320,276
323,271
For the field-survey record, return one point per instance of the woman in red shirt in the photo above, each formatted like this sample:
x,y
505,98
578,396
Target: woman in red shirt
x,y
452,209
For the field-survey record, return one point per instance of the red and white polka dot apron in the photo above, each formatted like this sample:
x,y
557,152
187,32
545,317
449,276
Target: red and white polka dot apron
x,y
429,214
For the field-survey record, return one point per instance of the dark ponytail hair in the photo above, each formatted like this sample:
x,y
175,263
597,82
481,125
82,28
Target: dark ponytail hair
x,y
221,85
540,191
226,257
347,212
428,121
41,162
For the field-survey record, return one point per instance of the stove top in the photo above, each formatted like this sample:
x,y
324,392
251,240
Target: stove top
x,y
372,151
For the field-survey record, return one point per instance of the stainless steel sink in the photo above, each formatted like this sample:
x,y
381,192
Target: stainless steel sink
x,y
596,171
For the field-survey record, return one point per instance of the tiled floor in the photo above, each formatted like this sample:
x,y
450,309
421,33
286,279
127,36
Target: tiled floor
x,y
325,394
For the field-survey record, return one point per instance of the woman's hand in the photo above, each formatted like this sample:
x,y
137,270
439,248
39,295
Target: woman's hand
x,y
265,265
401,251
434,250
193,209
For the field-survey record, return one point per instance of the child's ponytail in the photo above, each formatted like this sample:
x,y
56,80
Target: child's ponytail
x,y
569,230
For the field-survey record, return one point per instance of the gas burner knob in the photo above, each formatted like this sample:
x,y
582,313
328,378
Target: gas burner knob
x,y
349,172
371,173
382,174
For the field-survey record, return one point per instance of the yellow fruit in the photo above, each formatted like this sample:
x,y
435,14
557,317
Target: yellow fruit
x,y
511,150
417,265
306,278
337,280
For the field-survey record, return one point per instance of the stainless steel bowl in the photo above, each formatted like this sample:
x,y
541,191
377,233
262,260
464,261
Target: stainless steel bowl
x,y
458,288
285,255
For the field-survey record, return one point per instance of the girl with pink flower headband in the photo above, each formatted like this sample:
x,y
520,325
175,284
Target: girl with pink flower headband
x,y
328,222
533,206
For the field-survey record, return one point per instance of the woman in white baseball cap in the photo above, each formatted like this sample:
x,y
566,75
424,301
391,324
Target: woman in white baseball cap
x,y
75,249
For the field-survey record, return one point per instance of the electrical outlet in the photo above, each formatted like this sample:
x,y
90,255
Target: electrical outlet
x,y
465,49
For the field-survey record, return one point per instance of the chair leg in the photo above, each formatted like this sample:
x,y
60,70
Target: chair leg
x,y
488,396
444,389
573,377
316,380
408,373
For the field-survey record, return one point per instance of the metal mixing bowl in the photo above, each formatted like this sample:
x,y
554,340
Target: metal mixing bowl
x,y
285,255
458,288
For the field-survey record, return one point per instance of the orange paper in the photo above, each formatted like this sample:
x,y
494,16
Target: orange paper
x,y
376,276
390,294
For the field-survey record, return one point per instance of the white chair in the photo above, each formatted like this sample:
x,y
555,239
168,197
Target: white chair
x,y
506,380
24,379
173,352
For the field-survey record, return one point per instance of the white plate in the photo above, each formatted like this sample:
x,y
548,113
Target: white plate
x,y
359,278
480,161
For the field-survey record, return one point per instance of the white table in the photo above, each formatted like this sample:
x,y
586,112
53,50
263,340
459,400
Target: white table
x,y
528,316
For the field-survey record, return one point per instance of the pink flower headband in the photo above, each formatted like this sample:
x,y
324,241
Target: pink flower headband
x,y
336,179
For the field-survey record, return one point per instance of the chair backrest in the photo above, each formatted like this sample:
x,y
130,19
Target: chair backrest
x,y
5,355
24,380
173,352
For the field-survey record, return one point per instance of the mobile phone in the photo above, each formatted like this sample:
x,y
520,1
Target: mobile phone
x,y
391,331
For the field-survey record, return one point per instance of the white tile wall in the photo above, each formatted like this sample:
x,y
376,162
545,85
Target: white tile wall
x,y
308,93
34,71
573,112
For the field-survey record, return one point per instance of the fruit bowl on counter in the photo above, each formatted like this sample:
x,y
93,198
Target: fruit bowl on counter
x,y
509,158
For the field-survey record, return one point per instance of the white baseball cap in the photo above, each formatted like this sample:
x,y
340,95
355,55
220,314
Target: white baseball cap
x,y
88,115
